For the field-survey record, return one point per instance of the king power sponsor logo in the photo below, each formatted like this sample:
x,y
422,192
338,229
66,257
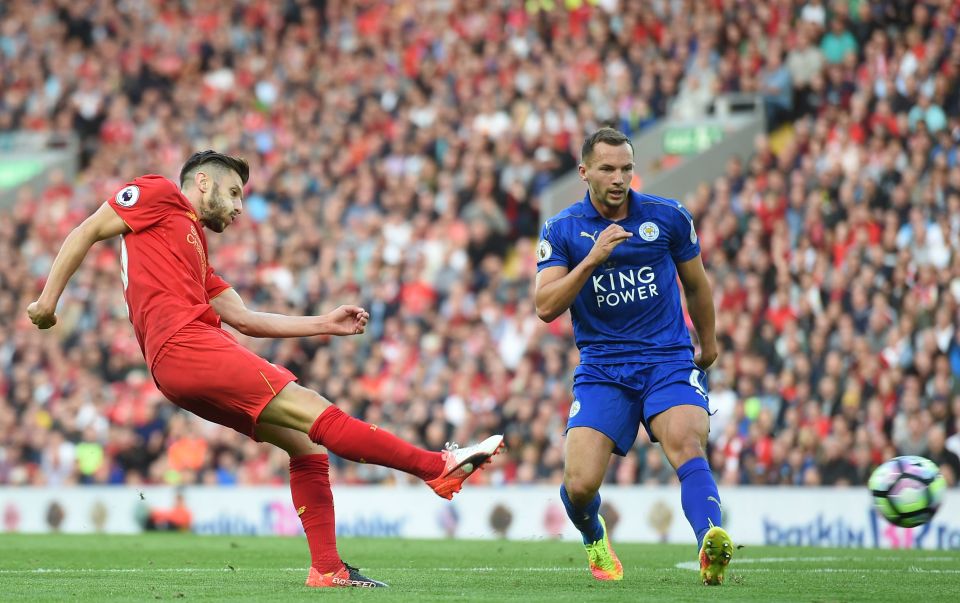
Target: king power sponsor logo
x,y
621,287
875,532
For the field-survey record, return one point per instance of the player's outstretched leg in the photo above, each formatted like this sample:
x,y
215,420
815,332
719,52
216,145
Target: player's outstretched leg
x,y
715,554
443,471
461,463
307,411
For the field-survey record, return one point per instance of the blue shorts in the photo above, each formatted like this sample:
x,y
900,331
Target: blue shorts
x,y
615,399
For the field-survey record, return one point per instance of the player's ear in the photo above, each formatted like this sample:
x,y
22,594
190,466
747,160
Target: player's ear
x,y
582,169
201,180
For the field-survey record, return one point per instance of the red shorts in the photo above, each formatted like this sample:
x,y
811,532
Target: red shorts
x,y
205,370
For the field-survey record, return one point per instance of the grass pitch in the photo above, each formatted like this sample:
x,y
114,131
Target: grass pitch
x,y
184,566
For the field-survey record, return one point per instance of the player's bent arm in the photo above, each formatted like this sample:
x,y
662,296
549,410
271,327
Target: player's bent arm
x,y
102,224
557,288
345,320
696,289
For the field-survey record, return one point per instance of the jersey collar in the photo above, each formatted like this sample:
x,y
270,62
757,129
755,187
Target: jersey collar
x,y
633,201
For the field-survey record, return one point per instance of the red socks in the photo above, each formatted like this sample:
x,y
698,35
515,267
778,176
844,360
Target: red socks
x,y
355,440
313,500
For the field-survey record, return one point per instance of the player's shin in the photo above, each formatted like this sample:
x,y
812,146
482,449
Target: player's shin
x,y
362,442
313,500
586,519
699,496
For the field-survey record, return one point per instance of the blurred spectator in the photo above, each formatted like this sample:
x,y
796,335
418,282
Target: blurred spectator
x,y
836,470
178,518
929,114
775,86
939,454
838,42
804,63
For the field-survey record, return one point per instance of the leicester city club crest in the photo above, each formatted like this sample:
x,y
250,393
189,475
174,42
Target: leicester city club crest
x,y
649,231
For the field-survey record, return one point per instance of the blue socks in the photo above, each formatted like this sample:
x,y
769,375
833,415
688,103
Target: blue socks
x,y
699,496
587,519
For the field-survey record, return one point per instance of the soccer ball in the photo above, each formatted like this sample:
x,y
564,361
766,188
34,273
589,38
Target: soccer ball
x,y
907,490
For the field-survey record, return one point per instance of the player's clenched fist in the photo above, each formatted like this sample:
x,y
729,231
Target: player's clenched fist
x,y
611,236
44,318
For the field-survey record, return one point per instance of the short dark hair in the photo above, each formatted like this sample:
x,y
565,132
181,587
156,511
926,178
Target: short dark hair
x,y
610,136
237,164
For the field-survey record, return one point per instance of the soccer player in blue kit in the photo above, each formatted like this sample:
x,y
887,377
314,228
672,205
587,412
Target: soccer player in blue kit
x,y
613,259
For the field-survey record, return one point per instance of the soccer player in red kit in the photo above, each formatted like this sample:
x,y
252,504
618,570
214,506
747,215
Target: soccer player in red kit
x,y
176,303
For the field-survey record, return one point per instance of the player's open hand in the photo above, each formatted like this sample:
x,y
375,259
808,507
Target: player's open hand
x,y
348,320
44,318
608,240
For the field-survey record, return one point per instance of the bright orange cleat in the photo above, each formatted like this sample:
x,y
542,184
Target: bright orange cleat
x,y
346,577
461,463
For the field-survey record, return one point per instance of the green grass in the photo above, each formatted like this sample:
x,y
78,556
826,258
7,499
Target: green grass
x,y
184,566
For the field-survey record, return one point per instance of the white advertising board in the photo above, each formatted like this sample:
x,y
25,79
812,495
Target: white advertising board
x,y
838,517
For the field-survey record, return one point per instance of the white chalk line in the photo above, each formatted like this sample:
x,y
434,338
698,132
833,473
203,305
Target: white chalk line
x,y
815,559
683,565
737,563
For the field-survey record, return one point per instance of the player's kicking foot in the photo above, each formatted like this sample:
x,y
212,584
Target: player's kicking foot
x,y
604,564
346,577
461,463
715,555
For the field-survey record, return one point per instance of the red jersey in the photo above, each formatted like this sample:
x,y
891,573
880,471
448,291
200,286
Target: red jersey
x,y
167,280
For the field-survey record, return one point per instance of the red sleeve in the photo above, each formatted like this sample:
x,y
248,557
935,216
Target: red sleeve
x,y
145,201
215,285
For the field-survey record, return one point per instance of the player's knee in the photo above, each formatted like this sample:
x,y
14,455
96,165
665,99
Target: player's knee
x,y
299,444
293,442
581,489
687,448
304,449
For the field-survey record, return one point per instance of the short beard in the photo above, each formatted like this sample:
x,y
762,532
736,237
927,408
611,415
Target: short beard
x,y
214,223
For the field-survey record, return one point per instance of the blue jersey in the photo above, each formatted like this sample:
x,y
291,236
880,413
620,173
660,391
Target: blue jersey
x,y
629,310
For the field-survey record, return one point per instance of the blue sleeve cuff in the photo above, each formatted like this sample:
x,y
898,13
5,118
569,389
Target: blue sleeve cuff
x,y
550,263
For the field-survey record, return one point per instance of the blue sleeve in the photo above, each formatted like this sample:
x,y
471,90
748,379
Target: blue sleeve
x,y
684,243
552,247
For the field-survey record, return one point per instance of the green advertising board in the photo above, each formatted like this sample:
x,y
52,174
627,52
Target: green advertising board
x,y
15,172
687,140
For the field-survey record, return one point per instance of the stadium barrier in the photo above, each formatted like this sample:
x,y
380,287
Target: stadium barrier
x,y
26,159
836,517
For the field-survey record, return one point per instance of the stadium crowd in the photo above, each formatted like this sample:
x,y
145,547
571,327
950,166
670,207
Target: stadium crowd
x,y
398,152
